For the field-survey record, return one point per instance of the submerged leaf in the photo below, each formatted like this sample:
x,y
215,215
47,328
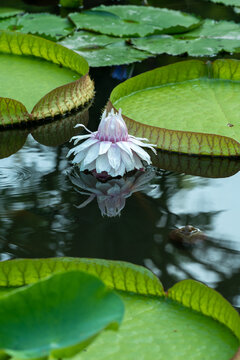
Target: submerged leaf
x,y
130,20
156,325
103,50
56,315
189,107
209,39
43,24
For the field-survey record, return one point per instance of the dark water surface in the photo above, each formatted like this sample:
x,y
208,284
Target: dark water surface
x,y
38,201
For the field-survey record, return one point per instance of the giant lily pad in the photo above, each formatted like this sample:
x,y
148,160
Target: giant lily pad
x,y
207,40
188,107
56,315
103,50
130,20
189,321
59,79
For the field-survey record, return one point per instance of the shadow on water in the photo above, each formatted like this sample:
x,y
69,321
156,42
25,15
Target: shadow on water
x,y
39,216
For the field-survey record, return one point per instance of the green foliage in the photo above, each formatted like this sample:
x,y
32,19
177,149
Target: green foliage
x,y
189,107
8,12
129,20
71,3
45,25
103,50
209,39
50,84
163,326
56,315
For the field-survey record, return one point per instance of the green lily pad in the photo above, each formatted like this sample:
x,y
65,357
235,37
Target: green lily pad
x,y
8,12
71,3
46,25
189,107
103,50
130,20
56,315
227,2
207,40
59,79
190,321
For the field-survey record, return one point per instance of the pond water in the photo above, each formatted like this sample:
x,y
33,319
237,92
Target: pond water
x,y
39,216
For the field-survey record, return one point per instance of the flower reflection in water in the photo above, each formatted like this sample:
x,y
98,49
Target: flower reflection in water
x,y
111,195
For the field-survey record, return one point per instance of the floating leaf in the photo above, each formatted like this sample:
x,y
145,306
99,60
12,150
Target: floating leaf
x,y
55,315
178,325
103,50
44,24
204,166
8,12
227,2
209,39
188,107
130,20
57,85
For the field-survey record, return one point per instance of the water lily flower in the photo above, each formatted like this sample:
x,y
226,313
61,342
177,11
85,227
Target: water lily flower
x,y
112,194
110,149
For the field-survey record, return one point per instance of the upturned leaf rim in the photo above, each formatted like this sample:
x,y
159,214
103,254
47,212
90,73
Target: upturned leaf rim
x,y
58,101
181,141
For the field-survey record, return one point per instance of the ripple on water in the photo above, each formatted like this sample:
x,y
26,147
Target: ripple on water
x,y
10,176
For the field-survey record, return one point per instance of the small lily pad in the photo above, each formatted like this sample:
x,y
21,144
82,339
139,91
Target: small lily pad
x,y
188,322
207,40
189,107
103,50
59,79
55,315
46,25
130,20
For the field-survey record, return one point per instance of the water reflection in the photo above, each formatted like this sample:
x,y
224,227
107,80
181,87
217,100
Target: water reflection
x,y
111,194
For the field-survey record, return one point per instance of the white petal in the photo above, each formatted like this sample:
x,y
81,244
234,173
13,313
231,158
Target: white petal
x,y
104,146
92,153
78,138
81,125
114,156
125,147
128,162
102,164
137,162
86,202
84,145
141,153
79,157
